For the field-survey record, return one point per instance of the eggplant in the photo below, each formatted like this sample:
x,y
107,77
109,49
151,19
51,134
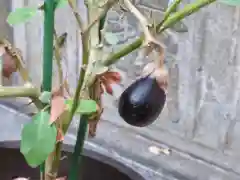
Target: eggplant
x,y
142,102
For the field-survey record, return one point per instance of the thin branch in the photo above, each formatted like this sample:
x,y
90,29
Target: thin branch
x,y
58,60
190,9
169,11
105,7
147,40
186,11
114,57
76,14
143,21
19,92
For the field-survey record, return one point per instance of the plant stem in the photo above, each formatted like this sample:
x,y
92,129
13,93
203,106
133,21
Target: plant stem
x,y
89,56
79,20
54,158
48,64
168,12
58,60
13,91
114,57
77,154
186,11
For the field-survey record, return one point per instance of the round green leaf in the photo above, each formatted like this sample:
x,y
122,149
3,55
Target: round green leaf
x,y
111,38
38,139
231,2
45,97
21,15
84,107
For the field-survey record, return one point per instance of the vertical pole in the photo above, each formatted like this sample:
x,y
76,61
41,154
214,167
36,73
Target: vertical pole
x,y
48,44
47,53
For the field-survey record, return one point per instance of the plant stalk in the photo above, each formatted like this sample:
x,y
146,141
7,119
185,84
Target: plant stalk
x,y
89,56
55,157
168,12
178,16
186,11
16,91
46,171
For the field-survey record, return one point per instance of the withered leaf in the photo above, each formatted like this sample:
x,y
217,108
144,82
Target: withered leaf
x,y
9,65
57,108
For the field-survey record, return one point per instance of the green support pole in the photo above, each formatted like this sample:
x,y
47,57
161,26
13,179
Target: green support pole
x,y
47,52
75,168
48,44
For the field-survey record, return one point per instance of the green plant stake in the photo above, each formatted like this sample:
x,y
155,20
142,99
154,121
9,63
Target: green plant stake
x,y
47,51
77,154
48,45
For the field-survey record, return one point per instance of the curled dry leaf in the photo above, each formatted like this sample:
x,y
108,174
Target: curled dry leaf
x,y
107,86
60,136
58,106
109,78
9,65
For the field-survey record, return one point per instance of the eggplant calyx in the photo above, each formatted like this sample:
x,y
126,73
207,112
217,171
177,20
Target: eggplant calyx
x,y
161,75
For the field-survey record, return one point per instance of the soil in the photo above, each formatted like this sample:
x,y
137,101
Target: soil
x,y
13,165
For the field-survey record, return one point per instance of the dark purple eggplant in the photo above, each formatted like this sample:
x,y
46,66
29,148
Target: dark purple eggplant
x,y
142,102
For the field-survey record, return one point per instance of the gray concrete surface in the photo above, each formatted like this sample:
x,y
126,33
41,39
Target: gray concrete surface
x,y
127,147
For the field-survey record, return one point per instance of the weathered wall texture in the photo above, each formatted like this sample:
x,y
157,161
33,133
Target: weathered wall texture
x,y
201,116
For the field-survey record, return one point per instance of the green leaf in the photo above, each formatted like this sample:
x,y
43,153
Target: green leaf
x,y
84,107
38,139
111,38
231,2
45,97
21,15
61,3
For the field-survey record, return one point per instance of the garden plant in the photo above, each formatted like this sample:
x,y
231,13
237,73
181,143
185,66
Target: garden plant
x,y
139,105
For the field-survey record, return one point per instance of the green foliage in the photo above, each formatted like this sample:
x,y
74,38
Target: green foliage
x,y
21,15
45,97
231,2
85,107
38,139
24,14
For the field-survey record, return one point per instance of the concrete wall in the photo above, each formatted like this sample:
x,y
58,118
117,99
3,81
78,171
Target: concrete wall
x,y
201,116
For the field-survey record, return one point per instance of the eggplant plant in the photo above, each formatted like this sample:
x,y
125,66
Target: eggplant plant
x,y
140,104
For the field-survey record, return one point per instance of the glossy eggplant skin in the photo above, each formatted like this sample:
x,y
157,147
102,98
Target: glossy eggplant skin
x,y
142,102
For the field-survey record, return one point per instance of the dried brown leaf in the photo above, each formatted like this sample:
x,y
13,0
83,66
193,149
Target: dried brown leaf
x,y
113,76
57,108
9,65
107,85
60,136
